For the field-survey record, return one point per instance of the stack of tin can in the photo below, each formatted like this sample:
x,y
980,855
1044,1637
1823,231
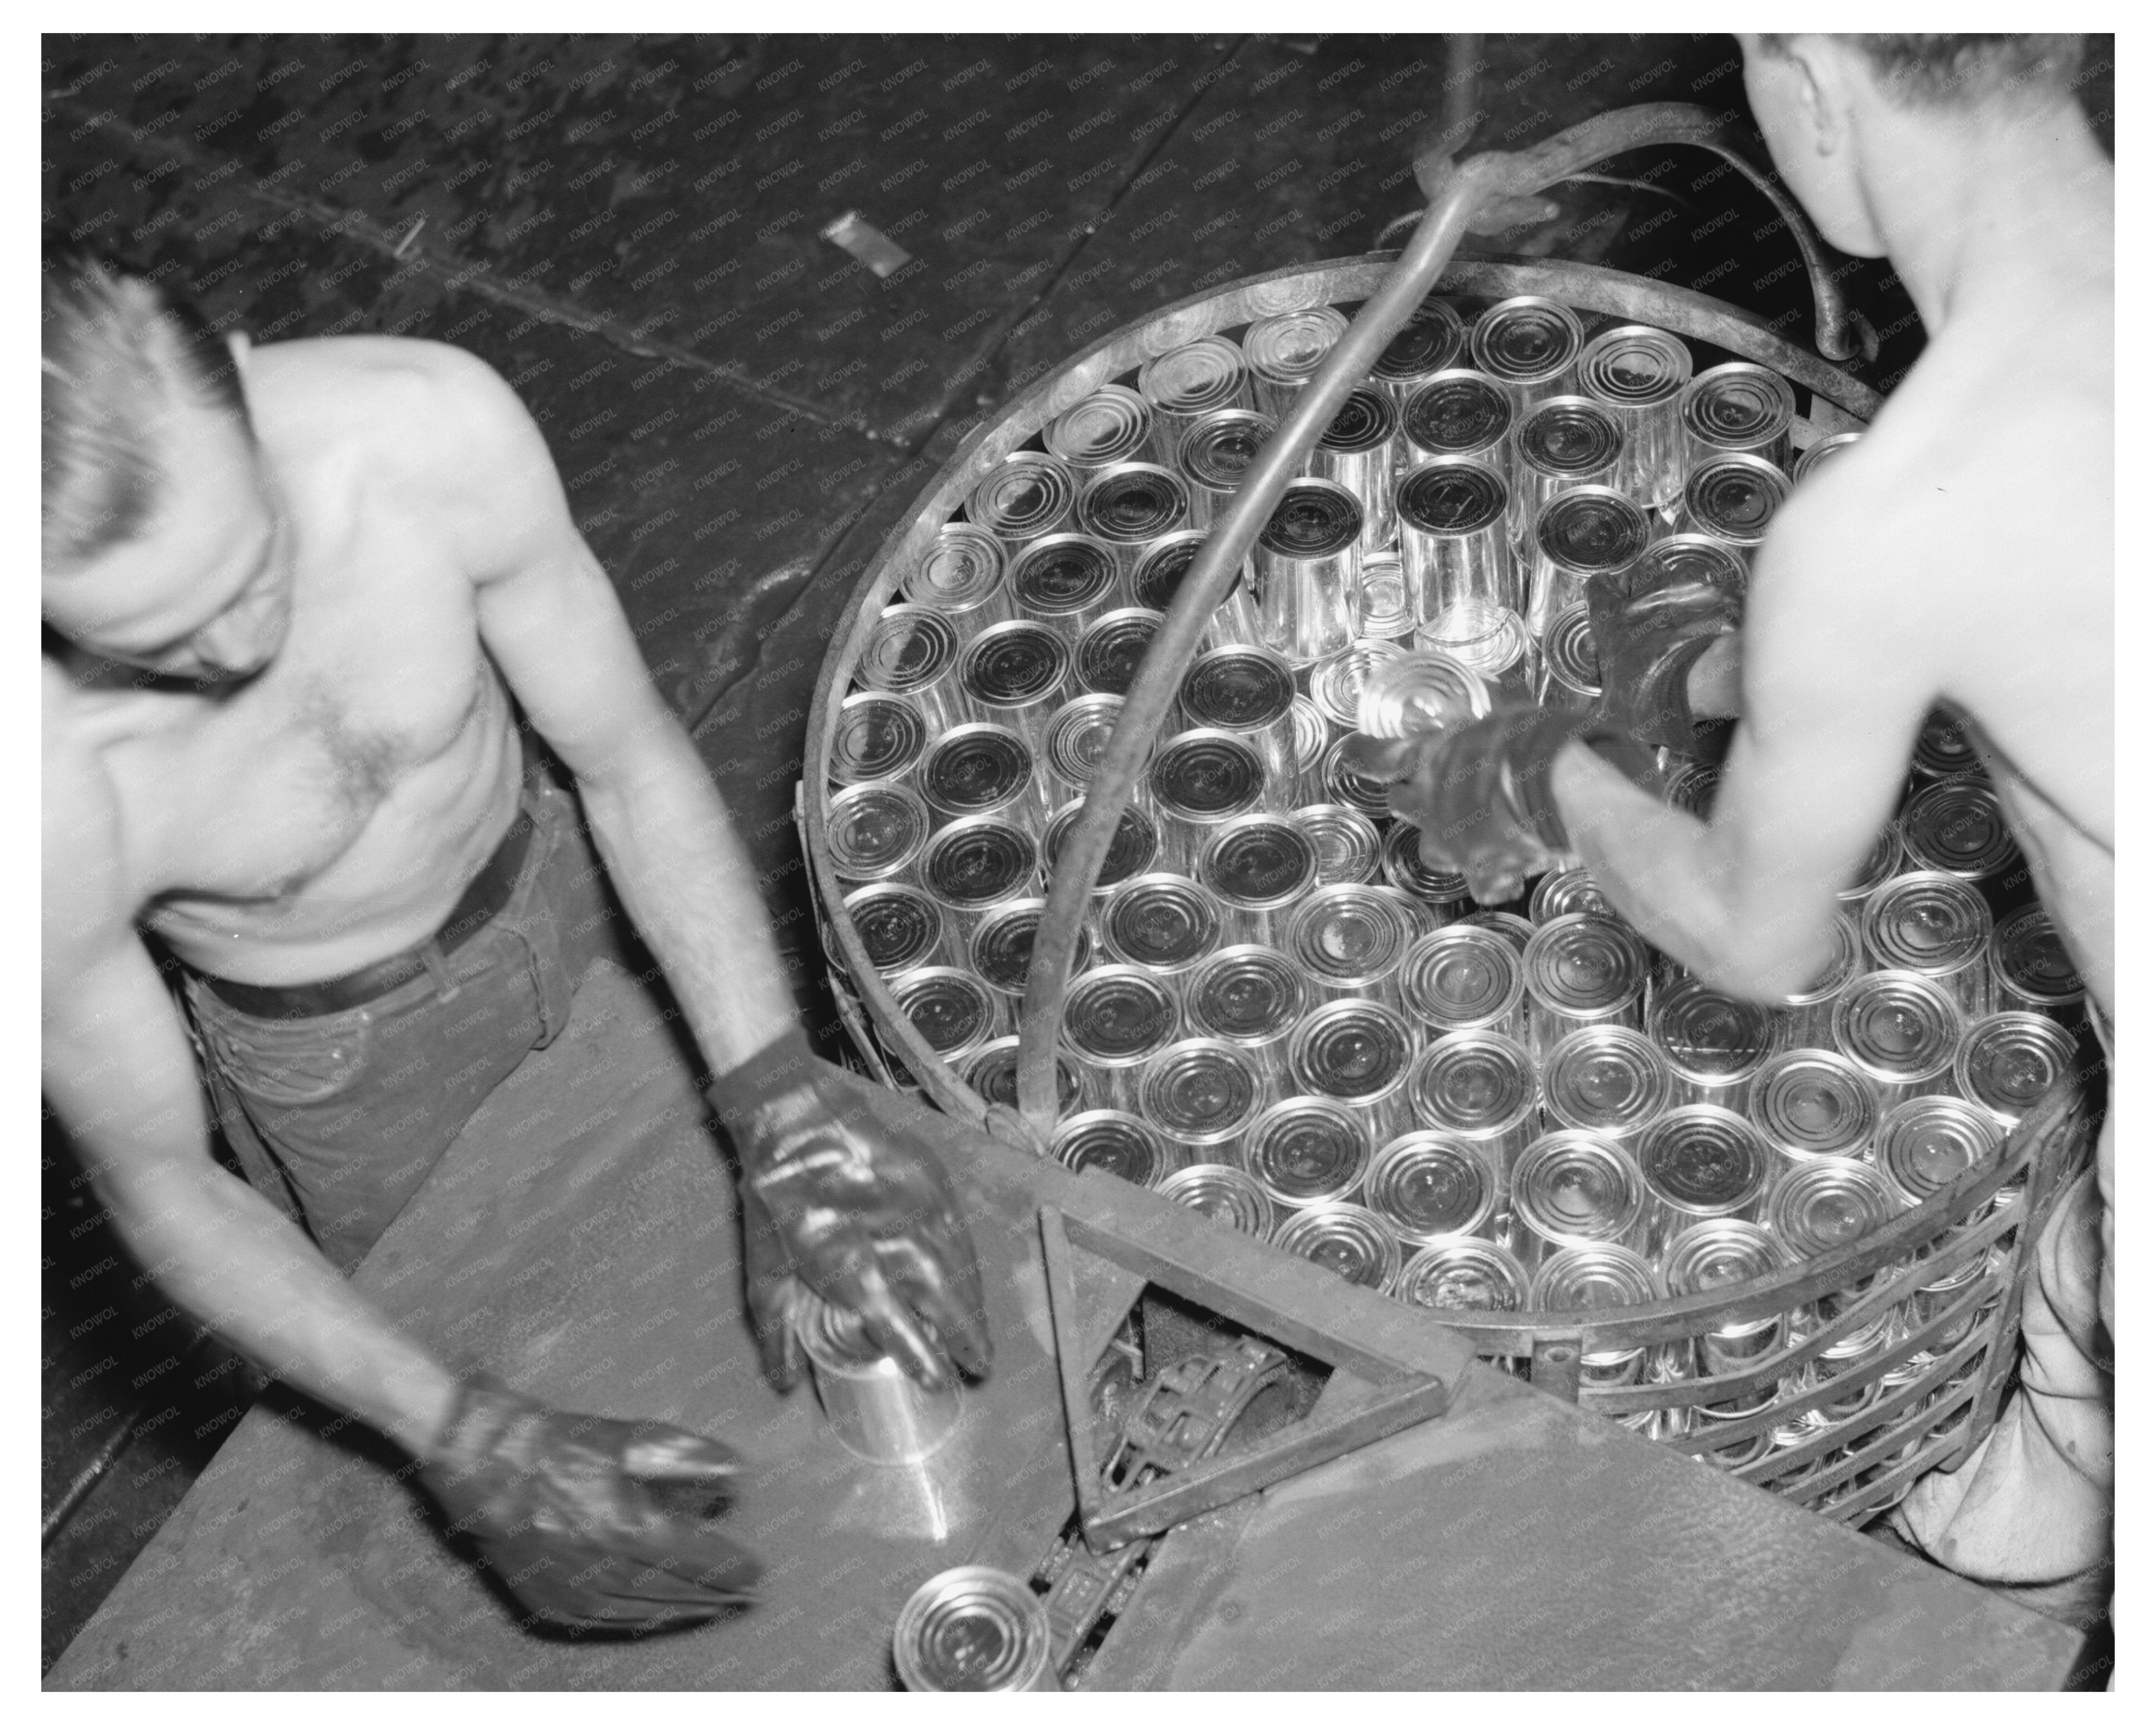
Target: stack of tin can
x,y
1279,1013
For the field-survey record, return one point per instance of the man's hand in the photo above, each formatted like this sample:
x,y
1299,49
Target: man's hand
x,y
1651,623
565,1513
836,1200
1480,792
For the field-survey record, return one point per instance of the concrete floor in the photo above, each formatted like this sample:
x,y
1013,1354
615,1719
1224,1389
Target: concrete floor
x,y
628,229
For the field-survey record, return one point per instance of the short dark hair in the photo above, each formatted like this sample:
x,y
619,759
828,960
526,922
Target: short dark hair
x,y
116,351
1954,71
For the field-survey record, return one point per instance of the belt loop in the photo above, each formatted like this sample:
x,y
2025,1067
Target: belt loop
x,y
437,967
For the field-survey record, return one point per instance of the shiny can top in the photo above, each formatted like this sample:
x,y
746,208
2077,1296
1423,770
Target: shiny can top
x,y
900,925
1001,947
1108,1138
1585,967
1568,892
1200,1091
960,573
1207,775
971,1630
2031,964
1634,366
1078,736
1346,839
993,1074
1314,519
1591,530
1569,650
1574,1186
1957,827
1430,340
1451,497
1118,1015
1409,694
1217,451
1259,862
1193,378
1405,869
1308,1150
1527,340
1568,437
1239,689
1062,575
1366,421
1133,503
1132,849
876,830
1112,647
978,861
2006,1061
976,769
878,736
1928,1142
1345,1239
1014,664
1473,1084
1719,1256
1606,1080
1737,406
1929,923
1458,413
1428,1187
1110,425
1336,682
1810,1104
1592,1278
908,647
1462,977
952,1009
1354,1051
1162,922
1249,995
1897,1027
1705,1161
1710,1038
1735,497
1848,958
1828,1204
1348,937
1222,1194
1021,496
1463,1276
1289,347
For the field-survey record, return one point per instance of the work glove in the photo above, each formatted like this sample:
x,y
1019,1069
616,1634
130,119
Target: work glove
x,y
1480,792
1651,624
844,1204
569,1510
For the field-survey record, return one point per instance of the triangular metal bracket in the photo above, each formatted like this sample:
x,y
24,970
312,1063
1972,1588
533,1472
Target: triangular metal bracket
x,y
1385,1399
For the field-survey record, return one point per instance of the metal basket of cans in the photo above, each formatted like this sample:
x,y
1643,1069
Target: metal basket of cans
x,y
1781,1238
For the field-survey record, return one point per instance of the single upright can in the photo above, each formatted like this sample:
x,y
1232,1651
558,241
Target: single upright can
x,y
1945,749
983,769
1442,894
877,832
1530,346
1346,1239
1463,1276
1202,1094
1116,1017
1463,977
1110,425
1826,449
1715,1043
1733,499
1016,674
1122,1144
1427,1188
1358,450
1812,1106
952,1009
1131,506
1252,997
1158,578
1023,497
1161,923
1248,692
1112,647
1001,950
1284,352
1606,1080
1597,1278
879,737
1568,892
2031,970
1346,840
1491,640
1308,1150
2007,1061
1202,779
873,1408
1881,864
1222,1194
971,1630
1215,455
1357,1052
1737,409
1257,867
1569,673
1078,736
1957,827
962,575
1455,549
1937,926
975,864
1349,942
1387,608
1928,1142
1431,342
900,925
1718,1257
1478,1085
1701,1164
1900,1029
1066,580
1581,970
1826,1205
992,1075
912,651
1562,441
1805,1018
1638,374
1184,384
1309,602
1578,535
1407,694
1339,781
1458,413
1337,681
1133,849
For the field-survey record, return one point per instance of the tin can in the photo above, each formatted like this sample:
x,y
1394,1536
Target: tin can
x,y
1346,841
1015,674
1308,1150
992,1075
1928,1142
1257,867
913,651
876,833
972,866
1284,352
1024,497
879,737
1581,970
1129,506
1458,413
1410,694
1597,1278
2008,1059
1580,533
1568,892
1065,581
1701,1164
1517,930
874,1409
1184,384
1202,1094
1430,340
1201,779
1574,1188
1357,1052
1733,499
1691,789
1463,1276
1530,346
1428,1187
2032,971
1248,692
1078,736
1938,1295
1116,1017
1359,450
1881,864
1956,827
1491,640
1715,1044
1454,547
973,1629
982,769
1605,1079
1001,950
1562,441
1694,560
1899,1030
1718,1257
1937,926
1568,678
1339,782
1122,1144
1812,1106
1638,373
1309,602
1161,923
1826,449
1478,1085
1737,409
1463,977
1113,646
1337,681
1944,748
1112,424
1805,1018
952,1009
1442,894
900,925
1133,851
1345,1239
1387,608
1252,997
1222,1194
1215,455
962,575
1348,942
1313,737
1825,1204
1157,577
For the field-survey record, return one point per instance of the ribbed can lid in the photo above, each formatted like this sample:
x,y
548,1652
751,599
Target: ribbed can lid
x,y
1163,922
960,573
975,769
1078,734
1592,1278
1200,1091
1314,518
1572,1186
1428,1187
1193,378
1569,647
1828,1204
1355,1050
1366,421
976,862
1222,1194
2007,1060
1928,1142
1431,342
1112,647
1259,862
1735,497
1957,827
1133,502
1568,892
1710,1038
1473,1084
1132,849
1570,437
1335,682
1929,923
1237,689
1118,1015
1289,346
1410,694
1451,497
1585,966
1605,1078
1306,1150
1108,1138
971,1629
1216,452
951,1008
1810,1104
1737,406
1348,935
1249,995
1345,1239
878,736
1062,574
1718,1257
1527,340
1002,946
1463,1276
1592,530
1462,977
1014,664
1705,1161
898,925
1207,775
1457,412
908,647
1110,425
876,830
1897,1027
1634,366
1346,839
993,1074
1021,495
2031,961
1403,868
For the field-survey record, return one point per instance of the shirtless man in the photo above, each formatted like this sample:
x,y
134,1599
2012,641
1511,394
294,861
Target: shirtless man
x,y
1962,551
298,586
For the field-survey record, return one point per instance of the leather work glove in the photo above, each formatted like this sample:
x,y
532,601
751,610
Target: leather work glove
x,y
566,1511
852,1208
1480,792
1651,625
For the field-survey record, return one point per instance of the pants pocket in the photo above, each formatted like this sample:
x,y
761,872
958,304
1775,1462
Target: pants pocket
x,y
284,1063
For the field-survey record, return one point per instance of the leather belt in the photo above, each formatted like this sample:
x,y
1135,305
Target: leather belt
x,y
483,900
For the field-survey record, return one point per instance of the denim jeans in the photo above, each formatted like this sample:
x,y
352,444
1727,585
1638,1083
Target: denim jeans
x,y
338,1118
